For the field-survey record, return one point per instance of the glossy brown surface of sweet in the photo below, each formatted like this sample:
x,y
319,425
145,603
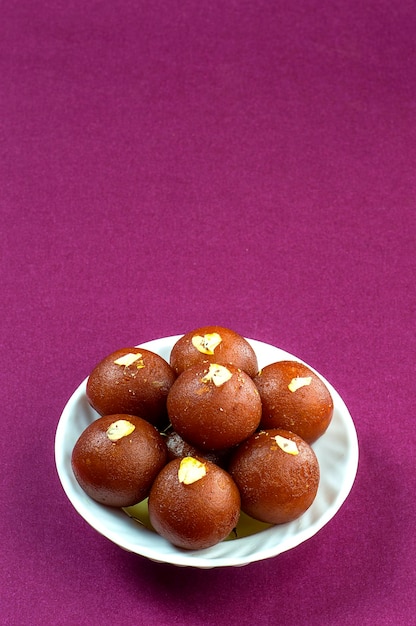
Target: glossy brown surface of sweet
x,y
214,415
118,469
134,381
276,485
198,515
294,398
214,344
178,448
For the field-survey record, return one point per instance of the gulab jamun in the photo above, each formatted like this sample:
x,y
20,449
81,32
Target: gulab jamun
x,y
193,504
134,381
213,406
215,344
117,457
277,474
294,398
178,448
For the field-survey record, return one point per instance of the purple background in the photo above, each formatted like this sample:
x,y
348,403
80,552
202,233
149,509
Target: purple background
x,y
166,165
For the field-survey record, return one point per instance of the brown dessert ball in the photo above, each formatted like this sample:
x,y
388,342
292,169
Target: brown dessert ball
x,y
214,344
277,474
194,504
178,448
134,381
213,406
294,398
116,459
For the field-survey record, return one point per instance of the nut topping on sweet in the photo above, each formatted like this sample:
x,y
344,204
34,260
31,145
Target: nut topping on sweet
x,y
119,429
287,445
297,383
207,343
129,359
190,470
218,374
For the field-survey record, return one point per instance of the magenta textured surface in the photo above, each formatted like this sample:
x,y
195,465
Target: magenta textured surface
x,y
166,165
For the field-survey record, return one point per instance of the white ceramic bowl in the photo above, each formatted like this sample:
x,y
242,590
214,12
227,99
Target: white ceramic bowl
x,y
337,452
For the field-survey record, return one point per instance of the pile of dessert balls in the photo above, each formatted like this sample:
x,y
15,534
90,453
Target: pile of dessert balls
x,y
203,437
